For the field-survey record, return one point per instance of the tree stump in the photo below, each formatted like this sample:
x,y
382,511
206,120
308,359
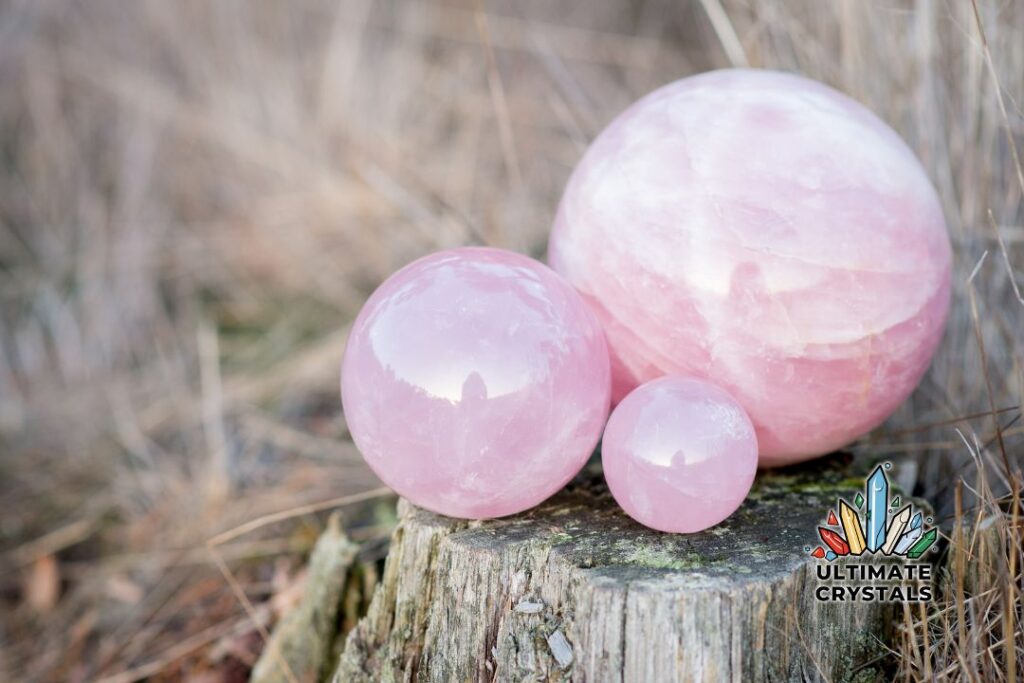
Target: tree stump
x,y
576,591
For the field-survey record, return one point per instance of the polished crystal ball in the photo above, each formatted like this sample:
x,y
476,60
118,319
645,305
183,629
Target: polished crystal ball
x,y
476,382
679,454
767,233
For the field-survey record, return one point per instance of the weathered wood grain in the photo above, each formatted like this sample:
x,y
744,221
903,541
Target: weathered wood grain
x,y
576,591
298,649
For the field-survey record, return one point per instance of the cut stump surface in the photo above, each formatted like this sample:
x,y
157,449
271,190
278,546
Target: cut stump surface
x,y
574,590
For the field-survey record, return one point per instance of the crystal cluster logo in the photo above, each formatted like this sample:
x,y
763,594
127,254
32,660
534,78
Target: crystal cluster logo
x,y
889,539
887,529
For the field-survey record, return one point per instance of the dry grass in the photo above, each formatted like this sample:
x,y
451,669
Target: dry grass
x,y
196,197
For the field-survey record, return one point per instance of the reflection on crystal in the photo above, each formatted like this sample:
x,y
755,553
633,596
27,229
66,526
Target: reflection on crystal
x,y
832,260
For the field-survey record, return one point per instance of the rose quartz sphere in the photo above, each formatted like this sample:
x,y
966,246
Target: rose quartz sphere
x,y
679,454
476,382
770,234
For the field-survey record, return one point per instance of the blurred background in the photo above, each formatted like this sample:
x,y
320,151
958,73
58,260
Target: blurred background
x,y
196,197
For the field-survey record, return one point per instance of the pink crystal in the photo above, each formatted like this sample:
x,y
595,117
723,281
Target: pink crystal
x,y
679,454
476,382
767,233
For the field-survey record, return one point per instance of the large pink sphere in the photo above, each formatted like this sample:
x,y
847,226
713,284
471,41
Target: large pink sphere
x,y
770,234
476,383
679,454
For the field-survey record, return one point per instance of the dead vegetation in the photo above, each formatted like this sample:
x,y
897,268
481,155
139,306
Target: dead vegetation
x,y
195,198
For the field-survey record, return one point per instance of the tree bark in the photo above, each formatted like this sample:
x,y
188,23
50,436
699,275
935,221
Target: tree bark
x,y
576,591
298,650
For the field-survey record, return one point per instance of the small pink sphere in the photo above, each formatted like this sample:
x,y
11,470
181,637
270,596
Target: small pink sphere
x,y
767,233
679,454
476,382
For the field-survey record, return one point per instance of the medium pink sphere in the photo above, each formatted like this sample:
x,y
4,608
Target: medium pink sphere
x,y
476,382
679,454
770,234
